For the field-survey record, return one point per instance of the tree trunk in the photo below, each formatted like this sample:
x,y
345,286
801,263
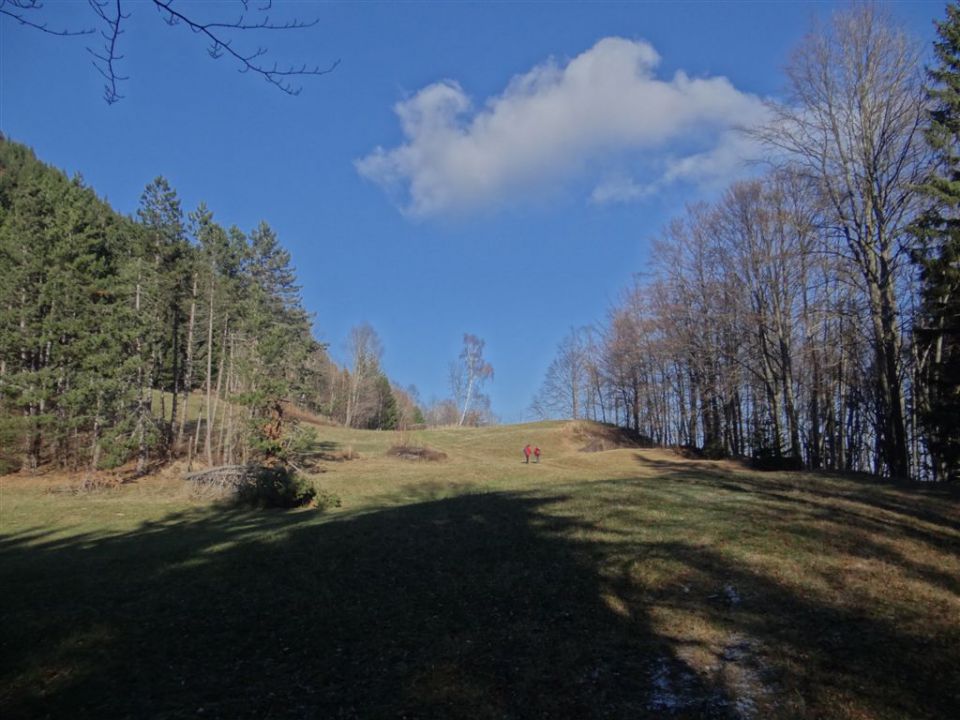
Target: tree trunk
x,y
208,450
188,368
216,400
141,428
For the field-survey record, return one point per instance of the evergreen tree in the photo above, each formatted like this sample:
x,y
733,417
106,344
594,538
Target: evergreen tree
x,y
166,251
938,330
61,324
220,258
386,414
26,239
108,322
278,333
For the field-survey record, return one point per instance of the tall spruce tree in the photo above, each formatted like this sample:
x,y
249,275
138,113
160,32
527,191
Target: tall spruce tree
x,y
166,257
938,330
386,414
279,342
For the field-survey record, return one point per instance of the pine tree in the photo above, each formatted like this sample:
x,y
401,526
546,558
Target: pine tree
x,y
938,330
278,339
61,320
386,414
101,315
167,259
26,239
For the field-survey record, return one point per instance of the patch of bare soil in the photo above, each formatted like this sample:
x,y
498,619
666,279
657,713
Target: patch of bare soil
x,y
416,452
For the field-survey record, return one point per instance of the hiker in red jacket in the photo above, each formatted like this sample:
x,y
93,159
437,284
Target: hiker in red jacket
x,y
536,454
526,454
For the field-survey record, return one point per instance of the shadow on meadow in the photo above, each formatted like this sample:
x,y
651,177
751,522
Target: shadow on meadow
x,y
853,597
468,607
908,504
478,606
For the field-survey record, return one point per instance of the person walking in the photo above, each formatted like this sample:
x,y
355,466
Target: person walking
x,y
536,454
526,454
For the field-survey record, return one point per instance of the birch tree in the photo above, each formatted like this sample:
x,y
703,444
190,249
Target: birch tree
x,y
468,374
365,350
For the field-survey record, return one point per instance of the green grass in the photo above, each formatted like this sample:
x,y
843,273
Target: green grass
x,y
620,584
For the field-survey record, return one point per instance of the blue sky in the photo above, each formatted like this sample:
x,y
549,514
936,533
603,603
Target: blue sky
x,y
493,168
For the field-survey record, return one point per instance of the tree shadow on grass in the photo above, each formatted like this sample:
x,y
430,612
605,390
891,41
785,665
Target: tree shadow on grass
x,y
803,656
863,517
867,606
468,607
493,605
924,510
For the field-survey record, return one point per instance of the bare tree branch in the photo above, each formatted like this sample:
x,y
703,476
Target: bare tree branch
x,y
219,45
219,33
15,9
104,63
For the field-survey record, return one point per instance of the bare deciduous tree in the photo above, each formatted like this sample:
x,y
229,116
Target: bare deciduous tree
x,y
568,379
852,123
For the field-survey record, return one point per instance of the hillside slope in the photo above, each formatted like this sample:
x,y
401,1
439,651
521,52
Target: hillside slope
x,y
614,584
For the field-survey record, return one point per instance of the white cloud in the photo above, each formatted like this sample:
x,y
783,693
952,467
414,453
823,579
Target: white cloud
x,y
550,123
621,189
727,157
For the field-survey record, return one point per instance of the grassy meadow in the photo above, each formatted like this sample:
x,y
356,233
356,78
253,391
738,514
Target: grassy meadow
x,y
626,583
